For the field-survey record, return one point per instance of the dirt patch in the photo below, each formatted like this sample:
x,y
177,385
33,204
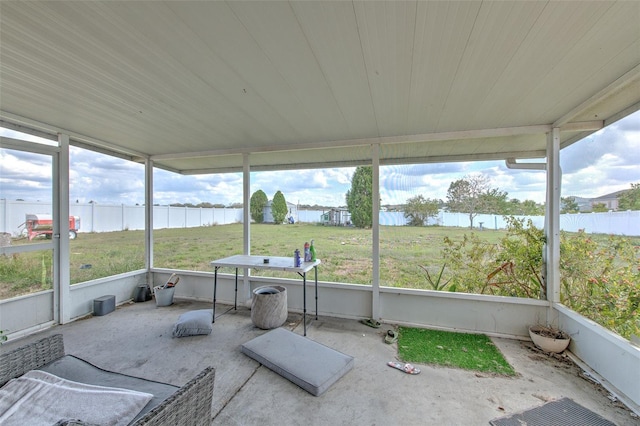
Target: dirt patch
x,y
564,362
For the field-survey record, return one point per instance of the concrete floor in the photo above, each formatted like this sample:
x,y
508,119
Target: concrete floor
x,y
136,339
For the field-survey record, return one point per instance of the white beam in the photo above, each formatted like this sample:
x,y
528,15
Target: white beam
x,y
21,145
148,218
628,78
246,221
246,199
583,126
552,229
61,229
367,161
49,131
7,124
388,140
375,228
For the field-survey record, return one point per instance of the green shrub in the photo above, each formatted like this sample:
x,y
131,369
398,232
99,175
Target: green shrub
x,y
279,208
600,279
256,205
469,261
599,275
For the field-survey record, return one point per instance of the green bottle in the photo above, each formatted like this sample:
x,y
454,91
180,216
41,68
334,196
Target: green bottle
x,y
312,250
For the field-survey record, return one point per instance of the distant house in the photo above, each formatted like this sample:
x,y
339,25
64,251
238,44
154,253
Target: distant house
x,y
610,200
584,204
292,214
336,217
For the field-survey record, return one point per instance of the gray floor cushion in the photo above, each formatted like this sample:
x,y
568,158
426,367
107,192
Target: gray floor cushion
x,y
193,323
310,365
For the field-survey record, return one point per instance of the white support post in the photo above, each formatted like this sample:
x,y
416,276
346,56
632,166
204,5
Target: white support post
x,y
375,227
148,219
553,216
246,212
62,274
246,220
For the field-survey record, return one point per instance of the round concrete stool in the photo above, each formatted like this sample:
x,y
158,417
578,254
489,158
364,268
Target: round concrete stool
x,y
269,307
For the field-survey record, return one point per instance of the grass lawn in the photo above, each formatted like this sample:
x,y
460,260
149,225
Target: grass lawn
x,y
345,253
458,350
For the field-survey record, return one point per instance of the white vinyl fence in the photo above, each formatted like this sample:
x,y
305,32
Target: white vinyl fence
x,y
106,218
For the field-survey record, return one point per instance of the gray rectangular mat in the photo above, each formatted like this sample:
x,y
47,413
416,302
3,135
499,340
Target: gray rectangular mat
x,y
310,365
563,412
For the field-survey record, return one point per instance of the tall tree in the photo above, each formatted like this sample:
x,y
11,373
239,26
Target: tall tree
x,y
630,200
599,208
531,208
493,201
256,205
569,205
360,197
279,208
468,195
418,210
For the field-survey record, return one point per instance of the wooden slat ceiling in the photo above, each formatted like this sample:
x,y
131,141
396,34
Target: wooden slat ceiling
x,y
195,85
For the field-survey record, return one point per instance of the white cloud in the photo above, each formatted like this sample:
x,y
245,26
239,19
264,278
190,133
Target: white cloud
x,y
605,162
341,176
320,179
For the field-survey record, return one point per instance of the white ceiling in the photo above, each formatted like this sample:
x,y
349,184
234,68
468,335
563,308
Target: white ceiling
x,y
195,85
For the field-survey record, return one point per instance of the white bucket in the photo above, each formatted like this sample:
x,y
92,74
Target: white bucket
x,y
164,296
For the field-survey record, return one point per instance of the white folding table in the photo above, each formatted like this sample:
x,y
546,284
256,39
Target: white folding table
x,y
272,263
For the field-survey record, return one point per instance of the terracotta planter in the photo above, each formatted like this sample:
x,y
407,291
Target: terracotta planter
x,y
549,340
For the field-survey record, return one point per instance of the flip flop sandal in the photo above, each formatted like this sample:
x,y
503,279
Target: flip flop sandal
x,y
391,337
371,322
405,367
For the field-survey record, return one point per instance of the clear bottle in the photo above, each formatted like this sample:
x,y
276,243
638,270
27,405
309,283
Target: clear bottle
x,y
296,258
307,252
312,251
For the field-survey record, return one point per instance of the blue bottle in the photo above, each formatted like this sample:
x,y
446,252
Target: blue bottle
x,y
296,258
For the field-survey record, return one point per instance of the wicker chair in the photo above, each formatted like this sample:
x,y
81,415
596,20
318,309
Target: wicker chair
x,y
189,405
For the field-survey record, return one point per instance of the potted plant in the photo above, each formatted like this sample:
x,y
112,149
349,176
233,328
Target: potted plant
x,y
549,339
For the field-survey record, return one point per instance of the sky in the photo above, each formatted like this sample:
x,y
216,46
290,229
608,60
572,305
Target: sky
x,y
602,163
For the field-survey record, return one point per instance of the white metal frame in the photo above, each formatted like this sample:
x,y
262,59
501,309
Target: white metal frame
x,y
59,244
